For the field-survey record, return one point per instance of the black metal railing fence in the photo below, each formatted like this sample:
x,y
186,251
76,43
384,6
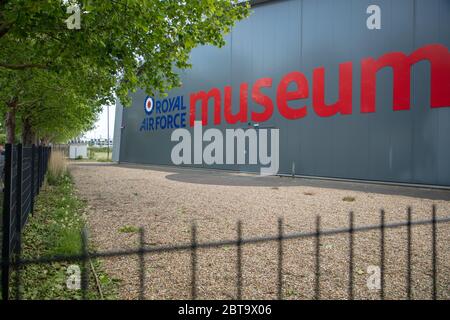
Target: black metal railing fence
x,y
24,170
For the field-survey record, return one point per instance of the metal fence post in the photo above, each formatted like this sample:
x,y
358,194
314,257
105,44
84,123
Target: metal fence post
x,y
19,180
195,245
317,262
39,167
280,259
44,169
408,256
49,156
32,177
18,246
382,252
194,262
38,180
141,264
434,253
85,270
45,161
239,260
6,221
350,255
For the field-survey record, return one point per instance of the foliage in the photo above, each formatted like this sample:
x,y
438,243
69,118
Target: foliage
x,y
60,76
55,229
58,105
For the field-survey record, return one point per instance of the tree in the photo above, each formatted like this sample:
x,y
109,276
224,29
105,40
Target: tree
x,y
122,45
48,99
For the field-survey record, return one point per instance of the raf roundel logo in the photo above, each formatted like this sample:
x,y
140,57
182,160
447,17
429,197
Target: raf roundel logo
x,y
148,105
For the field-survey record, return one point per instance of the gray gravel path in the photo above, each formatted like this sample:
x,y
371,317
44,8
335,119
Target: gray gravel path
x,y
167,201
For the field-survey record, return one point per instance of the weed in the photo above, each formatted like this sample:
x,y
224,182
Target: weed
x,y
129,229
55,229
57,167
291,293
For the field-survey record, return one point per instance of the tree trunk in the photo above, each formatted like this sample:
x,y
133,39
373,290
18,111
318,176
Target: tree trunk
x,y
11,121
27,132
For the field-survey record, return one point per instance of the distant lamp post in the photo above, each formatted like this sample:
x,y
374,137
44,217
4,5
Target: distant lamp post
x,y
107,129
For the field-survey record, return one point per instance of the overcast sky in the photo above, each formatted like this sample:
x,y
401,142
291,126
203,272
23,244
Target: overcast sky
x,y
100,130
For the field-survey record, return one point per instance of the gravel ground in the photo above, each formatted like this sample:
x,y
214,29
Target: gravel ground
x,y
166,207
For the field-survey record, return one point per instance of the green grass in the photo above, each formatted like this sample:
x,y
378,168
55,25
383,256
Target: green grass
x,y
55,229
69,242
102,149
100,155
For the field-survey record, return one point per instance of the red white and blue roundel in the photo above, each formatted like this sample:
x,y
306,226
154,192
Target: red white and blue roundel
x,y
148,105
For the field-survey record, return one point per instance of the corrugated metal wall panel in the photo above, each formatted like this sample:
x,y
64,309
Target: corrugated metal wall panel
x,y
300,35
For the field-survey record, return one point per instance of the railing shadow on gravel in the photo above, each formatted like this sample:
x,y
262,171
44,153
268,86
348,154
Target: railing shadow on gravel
x,y
239,242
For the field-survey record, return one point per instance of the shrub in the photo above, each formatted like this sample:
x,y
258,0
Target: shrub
x,y
57,167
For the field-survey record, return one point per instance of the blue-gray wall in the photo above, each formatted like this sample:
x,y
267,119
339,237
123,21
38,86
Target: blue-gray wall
x,y
300,35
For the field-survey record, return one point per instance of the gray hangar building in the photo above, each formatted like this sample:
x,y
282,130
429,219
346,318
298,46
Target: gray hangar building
x,y
358,89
